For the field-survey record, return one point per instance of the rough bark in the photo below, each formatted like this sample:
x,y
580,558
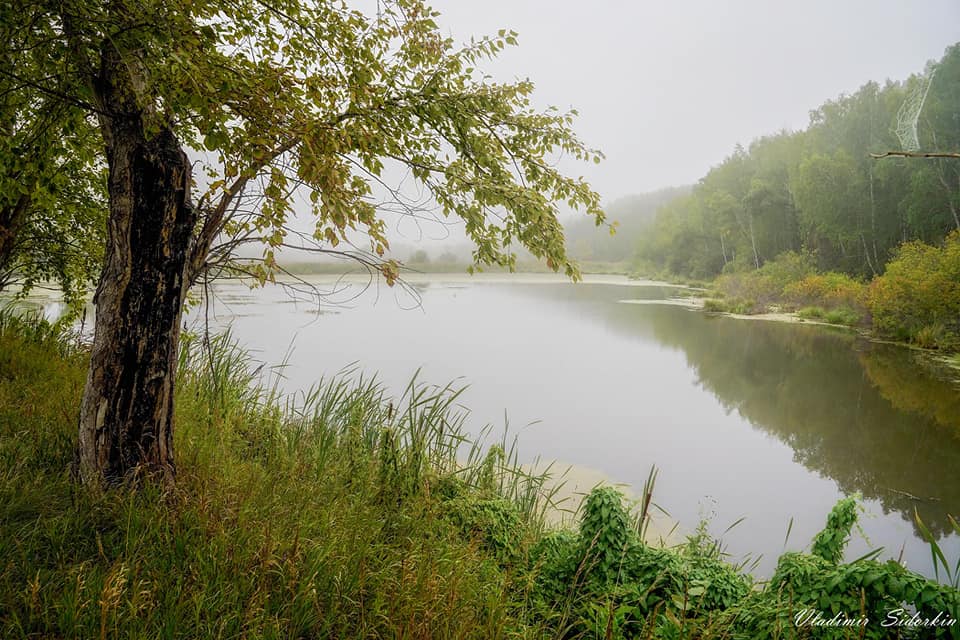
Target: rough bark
x,y
126,415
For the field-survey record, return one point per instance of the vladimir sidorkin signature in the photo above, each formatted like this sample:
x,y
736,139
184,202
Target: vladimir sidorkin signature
x,y
895,618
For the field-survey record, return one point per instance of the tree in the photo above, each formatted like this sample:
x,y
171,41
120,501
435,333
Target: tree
x,y
279,101
420,257
52,189
833,204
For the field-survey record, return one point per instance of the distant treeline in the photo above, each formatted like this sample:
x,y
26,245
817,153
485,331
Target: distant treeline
x,y
631,215
819,191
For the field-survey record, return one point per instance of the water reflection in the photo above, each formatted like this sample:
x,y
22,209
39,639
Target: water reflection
x,y
863,414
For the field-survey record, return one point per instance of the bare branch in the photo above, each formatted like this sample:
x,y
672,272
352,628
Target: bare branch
x,y
917,154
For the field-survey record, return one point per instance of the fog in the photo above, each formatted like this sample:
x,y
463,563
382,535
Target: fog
x,y
667,89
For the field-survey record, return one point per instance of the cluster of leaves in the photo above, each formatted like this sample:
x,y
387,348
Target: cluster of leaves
x,y
605,583
606,579
862,589
819,191
832,290
485,516
52,184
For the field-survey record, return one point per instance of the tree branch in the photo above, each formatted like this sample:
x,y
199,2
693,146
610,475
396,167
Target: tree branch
x,y
917,154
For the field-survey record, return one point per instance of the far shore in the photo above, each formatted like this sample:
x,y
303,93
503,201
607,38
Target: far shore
x,y
697,304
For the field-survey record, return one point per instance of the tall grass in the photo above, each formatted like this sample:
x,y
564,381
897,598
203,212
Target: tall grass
x,y
314,516
345,513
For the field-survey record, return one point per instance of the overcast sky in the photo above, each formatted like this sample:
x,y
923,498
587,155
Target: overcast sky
x,y
667,88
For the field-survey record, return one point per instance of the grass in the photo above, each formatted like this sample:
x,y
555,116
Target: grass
x,y
735,305
812,313
713,305
319,518
346,513
842,316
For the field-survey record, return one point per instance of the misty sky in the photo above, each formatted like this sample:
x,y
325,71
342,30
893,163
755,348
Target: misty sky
x,y
666,89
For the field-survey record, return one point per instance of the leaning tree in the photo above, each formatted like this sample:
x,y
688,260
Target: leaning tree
x,y
219,118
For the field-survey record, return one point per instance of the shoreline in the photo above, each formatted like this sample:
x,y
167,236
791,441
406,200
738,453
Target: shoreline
x,y
697,304
946,360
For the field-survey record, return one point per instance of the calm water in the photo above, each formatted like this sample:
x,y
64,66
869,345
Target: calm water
x,y
743,418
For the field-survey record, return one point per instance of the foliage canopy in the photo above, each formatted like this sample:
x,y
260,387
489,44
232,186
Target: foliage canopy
x,y
291,104
52,185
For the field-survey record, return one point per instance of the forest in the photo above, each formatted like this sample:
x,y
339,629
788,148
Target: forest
x,y
821,191
817,220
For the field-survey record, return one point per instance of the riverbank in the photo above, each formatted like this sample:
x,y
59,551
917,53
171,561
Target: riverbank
x,y
703,304
914,301
351,514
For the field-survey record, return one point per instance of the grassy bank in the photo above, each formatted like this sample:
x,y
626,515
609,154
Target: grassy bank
x,y
320,520
350,514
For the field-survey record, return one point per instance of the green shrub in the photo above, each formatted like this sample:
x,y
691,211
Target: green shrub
x,y
733,305
745,307
932,336
843,315
495,522
609,579
918,296
829,290
753,286
714,306
605,535
820,583
765,285
832,540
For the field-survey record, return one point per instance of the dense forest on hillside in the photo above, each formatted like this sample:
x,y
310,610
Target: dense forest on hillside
x,y
819,191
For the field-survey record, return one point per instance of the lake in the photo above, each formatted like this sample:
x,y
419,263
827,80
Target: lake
x,y
767,420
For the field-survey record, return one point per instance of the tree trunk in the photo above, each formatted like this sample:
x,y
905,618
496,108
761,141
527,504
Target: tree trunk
x,y
126,415
11,221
